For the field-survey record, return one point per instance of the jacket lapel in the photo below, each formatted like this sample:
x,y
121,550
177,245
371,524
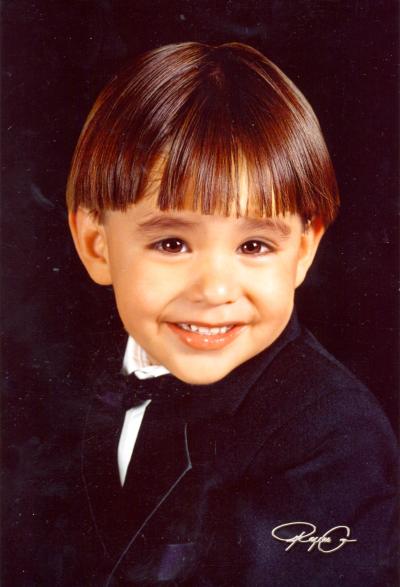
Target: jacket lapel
x,y
160,460
100,468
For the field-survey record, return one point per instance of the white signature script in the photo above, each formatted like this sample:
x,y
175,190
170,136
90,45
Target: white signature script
x,y
336,537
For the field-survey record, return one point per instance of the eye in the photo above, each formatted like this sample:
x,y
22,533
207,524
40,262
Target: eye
x,y
255,247
171,245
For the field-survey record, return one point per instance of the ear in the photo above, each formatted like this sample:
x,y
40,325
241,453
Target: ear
x,y
310,239
91,244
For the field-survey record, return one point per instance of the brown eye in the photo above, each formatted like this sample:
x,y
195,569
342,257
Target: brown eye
x,y
171,245
254,248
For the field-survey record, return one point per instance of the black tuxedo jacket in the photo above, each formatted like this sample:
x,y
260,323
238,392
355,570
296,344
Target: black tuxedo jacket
x,y
290,436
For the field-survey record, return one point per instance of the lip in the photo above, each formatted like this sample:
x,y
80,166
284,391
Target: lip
x,y
206,342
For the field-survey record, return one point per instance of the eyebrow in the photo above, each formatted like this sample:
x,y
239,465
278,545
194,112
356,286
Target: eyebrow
x,y
165,222
270,223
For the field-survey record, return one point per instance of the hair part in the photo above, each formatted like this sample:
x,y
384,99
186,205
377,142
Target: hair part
x,y
210,114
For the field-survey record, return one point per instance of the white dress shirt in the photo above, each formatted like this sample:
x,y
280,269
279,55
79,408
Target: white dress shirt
x,y
135,361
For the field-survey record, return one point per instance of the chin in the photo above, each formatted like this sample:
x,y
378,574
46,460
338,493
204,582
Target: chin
x,y
199,378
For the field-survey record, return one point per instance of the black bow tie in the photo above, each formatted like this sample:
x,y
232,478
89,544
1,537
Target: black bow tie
x,y
170,396
162,390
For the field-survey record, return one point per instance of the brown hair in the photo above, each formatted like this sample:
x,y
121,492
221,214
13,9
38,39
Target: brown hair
x,y
209,112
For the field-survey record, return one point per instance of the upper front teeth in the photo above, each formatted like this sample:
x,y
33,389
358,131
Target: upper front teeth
x,y
204,329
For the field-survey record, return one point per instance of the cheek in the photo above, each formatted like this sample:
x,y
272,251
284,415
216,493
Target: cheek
x,y
279,278
143,290
275,289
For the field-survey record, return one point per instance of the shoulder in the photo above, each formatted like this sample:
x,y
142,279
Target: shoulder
x,y
307,376
307,363
307,400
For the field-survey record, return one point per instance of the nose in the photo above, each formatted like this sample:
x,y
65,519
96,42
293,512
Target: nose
x,y
215,281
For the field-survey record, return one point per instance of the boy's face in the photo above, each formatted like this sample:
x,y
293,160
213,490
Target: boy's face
x,y
200,293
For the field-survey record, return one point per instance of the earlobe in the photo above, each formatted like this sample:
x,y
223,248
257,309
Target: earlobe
x,y
310,240
90,241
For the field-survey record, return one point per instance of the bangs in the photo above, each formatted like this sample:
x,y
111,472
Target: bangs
x,y
232,133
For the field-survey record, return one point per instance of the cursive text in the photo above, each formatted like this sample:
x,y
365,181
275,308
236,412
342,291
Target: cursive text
x,y
305,533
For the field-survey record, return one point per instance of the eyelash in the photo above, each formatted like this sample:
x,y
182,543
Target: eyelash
x,y
265,247
158,246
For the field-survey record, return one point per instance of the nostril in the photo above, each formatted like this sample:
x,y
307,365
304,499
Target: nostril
x,y
215,283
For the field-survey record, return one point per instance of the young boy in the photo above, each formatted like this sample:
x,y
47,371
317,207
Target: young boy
x,y
233,449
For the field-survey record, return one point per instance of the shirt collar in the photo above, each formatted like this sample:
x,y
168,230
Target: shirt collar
x,y
137,361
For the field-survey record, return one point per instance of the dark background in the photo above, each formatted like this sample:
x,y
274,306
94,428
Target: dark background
x,y
56,58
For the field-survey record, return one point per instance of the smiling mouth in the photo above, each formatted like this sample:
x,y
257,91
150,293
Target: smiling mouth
x,y
205,330
201,337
